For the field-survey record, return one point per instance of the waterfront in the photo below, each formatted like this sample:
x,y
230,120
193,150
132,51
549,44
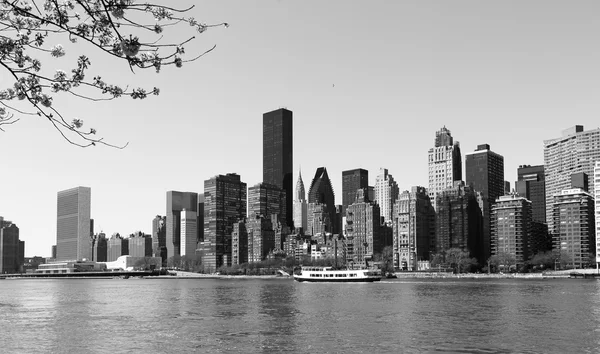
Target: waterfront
x,y
280,315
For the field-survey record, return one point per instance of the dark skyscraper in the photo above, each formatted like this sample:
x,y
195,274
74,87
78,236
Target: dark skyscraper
x,y
484,172
176,202
352,180
531,185
278,155
266,199
321,192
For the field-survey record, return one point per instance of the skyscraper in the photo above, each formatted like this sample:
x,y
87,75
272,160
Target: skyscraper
x,y
484,172
352,180
445,164
278,154
266,199
11,248
300,206
321,192
413,224
386,193
363,228
117,247
575,151
189,233
224,204
511,228
597,209
176,202
531,185
159,237
73,238
100,248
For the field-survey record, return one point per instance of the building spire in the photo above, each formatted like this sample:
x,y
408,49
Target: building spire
x,y
300,192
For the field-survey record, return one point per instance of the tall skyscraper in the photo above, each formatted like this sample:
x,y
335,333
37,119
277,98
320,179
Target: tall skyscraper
x,y
413,225
575,151
266,199
363,228
140,244
100,248
278,154
159,237
531,184
597,208
445,164
73,238
511,227
321,192
117,246
300,206
352,180
11,248
239,243
224,204
386,193
484,172
176,202
189,233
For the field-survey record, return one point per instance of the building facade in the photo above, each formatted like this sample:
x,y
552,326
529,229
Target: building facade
x,y
278,154
239,243
261,237
352,180
73,226
512,227
386,193
159,237
117,247
267,199
225,201
531,185
413,225
484,172
321,192
300,206
189,233
597,208
176,202
12,249
100,248
363,229
140,245
575,151
445,164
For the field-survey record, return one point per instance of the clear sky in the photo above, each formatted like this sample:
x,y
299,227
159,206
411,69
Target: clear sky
x,y
369,82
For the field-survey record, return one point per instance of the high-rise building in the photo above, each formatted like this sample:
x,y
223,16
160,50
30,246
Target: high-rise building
x,y
224,204
413,225
321,192
484,172
445,164
176,202
352,180
386,193
318,219
117,247
140,245
189,233
159,237
100,247
532,186
12,250
266,199
363,226
239,243
278,154
459,221
300,206
73,238
511,227
200,218
573,231
261,237
597,208
575,151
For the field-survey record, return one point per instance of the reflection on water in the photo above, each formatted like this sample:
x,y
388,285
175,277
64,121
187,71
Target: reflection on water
x,y
275,315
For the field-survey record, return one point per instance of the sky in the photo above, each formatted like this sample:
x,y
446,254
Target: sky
x,y
369,84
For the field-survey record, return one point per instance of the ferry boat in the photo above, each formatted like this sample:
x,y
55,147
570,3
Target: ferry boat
x,y
329,274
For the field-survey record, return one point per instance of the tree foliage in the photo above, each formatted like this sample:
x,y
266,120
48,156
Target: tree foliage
x,y
34,31
502,260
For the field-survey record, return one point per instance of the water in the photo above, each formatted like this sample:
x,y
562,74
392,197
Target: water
x,y
278,315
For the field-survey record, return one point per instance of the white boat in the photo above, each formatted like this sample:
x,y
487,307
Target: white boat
x,y
329,274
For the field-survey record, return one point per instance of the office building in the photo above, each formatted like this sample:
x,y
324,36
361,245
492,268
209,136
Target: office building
x,y
386,193
100,248
531,185
224,204
318,220
511,226
200,218
321,192
574,151
261,237
239,243
363,226
12,249
278,154
300,206
597,208
189,233
117,247
176,202
140,245
484,172
573,231
267,199
445,164
413,224
73,226
352,180
159,237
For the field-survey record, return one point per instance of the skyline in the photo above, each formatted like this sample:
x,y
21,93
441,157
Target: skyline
x,y
504,74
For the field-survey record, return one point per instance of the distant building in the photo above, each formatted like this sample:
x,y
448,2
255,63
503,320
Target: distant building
x,y
225,201
300,206
506,187
413,225
363,221
532,186
321,192
386,193
261,237
512,227
318,219
597,210
445,164
459,221
267,199
176,202
53,252
73,224
352,180
239,243
117,247
100,248
484,172
189,233
159,237
140,245
12,250
278,154
573,227
574,151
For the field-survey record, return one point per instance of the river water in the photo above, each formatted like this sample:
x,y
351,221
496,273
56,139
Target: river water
x,y
280,315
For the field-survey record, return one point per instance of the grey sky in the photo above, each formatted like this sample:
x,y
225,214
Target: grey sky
x,y
506,73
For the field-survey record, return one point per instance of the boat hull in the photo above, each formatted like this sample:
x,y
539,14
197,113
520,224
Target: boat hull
x,y
338,280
